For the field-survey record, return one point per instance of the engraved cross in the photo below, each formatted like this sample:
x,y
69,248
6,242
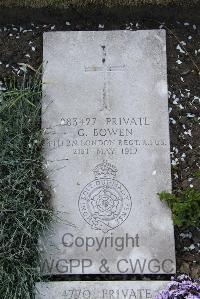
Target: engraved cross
x,y
105,69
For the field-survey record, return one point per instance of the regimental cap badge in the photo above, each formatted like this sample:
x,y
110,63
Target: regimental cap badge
x,y
105,170
105,203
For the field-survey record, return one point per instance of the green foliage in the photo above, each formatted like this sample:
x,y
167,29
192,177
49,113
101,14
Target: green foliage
x,y
197,174
185,207
24,198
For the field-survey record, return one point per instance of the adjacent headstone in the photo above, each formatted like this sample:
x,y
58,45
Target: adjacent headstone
x,y
105,114
99,289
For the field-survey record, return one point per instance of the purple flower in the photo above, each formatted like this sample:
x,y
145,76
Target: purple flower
x,y
183,287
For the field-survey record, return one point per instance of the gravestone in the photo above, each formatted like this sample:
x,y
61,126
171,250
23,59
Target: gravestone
x,y
99,289
105,116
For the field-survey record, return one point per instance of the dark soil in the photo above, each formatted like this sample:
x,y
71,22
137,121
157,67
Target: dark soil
x,y
21,50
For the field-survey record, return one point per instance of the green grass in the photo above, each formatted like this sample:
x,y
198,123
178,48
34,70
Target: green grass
x,y
185,206
24,197
105,3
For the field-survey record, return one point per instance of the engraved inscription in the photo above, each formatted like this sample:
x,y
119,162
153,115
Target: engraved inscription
x,y
114,136
108,293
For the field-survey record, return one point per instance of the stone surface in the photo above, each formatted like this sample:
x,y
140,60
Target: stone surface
x,y
105,115
99,289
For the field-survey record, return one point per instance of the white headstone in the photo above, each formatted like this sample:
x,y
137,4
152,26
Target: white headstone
x,y
99,289
105,114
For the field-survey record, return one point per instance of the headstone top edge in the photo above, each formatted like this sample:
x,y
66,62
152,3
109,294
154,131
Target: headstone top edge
x,y
100,281
102,31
